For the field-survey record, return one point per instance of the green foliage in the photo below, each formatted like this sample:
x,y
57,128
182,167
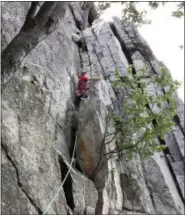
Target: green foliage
x,y
131,13
154,4
101,6
135,127
178,14
179,11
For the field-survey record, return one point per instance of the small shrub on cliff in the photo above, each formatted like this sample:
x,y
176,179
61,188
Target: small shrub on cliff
x,y
145,118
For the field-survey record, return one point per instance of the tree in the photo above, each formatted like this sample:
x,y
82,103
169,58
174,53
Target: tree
x,y
145,117
144,120
178,13
131,13
39,23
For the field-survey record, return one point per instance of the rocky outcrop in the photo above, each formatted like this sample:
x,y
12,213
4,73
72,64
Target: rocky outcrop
x,y
41,125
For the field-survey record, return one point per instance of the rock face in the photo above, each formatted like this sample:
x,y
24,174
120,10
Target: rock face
x,y
41,125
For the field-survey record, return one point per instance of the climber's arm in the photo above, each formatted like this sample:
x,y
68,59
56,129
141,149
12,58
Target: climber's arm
x,y
96,78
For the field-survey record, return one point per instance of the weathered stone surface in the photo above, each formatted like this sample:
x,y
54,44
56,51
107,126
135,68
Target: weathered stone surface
x,y
133,184
91,147
77,12
76,37
92,120
178,168
34,106
80,192
125,212
161,185
84,193
32,154
10,25
17,195
179,138
39,118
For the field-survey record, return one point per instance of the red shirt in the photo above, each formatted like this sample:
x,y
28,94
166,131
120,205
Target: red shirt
x,y
82,83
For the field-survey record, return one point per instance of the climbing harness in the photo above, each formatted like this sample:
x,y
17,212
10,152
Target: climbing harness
x,y
61,186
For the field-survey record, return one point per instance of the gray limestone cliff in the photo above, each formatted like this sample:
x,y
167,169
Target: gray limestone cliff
x,y
40,124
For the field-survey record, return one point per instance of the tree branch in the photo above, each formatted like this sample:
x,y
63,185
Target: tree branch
x,y
46,22
45,11
55,16
86,7
30,15
111,139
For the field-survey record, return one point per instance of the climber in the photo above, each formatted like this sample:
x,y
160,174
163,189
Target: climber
x,y
82,87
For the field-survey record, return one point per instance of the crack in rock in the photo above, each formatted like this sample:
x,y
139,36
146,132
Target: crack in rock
x,y
18,180
67,186
137,211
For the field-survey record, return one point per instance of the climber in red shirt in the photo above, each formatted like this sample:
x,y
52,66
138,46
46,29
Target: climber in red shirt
x,y
82,87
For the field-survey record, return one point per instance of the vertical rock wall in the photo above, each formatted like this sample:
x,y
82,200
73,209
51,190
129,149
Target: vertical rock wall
x,y
40,123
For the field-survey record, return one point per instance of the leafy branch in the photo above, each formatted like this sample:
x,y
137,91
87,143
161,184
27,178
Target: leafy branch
x,y
135,130
135,126
131,12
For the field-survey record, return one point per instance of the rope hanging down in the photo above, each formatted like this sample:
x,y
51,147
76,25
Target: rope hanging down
x,y
61,186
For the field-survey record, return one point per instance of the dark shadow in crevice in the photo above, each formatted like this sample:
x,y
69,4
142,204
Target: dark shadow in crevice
x,y
68,184
93,15
74,129
175,180
82,44
167,152
78,24
99,204
78,167
177,121
77,103
126,52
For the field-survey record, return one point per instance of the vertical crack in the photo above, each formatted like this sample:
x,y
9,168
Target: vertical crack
x,y
68,184
123,46
142,50
98,58
177,121
99,204
19,182
111,55
78,20
166,152
175,180
73,132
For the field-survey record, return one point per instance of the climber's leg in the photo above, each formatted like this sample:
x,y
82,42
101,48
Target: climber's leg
x,y
77,101
84,95
78,98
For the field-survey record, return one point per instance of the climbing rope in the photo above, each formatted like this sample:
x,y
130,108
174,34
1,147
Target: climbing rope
x,y
61,186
